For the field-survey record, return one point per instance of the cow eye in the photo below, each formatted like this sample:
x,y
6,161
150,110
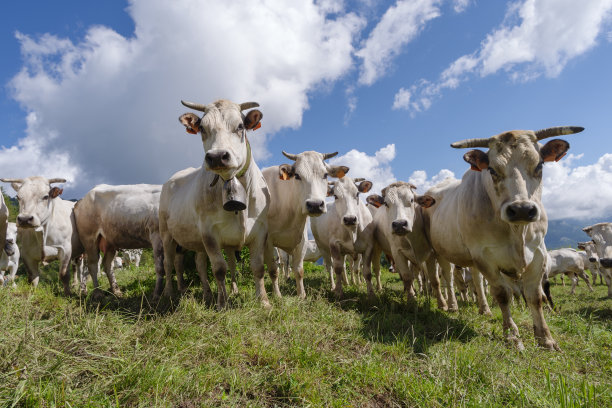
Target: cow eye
x,y
538,169
240,127
325,175
335,197
46,197
411,200
297,176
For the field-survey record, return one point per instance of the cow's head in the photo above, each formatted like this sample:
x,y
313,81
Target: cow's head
x,y
400,201
346,197
309,175
223,129
514,169
11,239
589,248
36,197
601,234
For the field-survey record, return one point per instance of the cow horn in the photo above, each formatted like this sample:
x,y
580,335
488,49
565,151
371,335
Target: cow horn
x,y
248,105
412,186
471,143
557,131
56,180
5,180
290,156
358,179
329,155
195,106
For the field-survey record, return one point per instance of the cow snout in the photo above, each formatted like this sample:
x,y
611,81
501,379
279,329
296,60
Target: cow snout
x,y
24,220
349,220
606,262
315,207
9,248
400,227
522,212
592,260
218,160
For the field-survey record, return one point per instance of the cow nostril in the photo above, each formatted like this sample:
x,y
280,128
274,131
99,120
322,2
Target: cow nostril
x,y
532,212
511,213
225,157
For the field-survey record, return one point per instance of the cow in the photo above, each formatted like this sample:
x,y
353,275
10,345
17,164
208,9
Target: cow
x,y
337,231
569,262
398,229
592,260
9,255
110,217
221,205
313,254
601,234
4,214
46,226
132,257
493,219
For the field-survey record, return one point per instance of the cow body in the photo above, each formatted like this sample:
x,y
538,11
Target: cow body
x,y
493,219
601,234
191,204
46,227
4,214
112,217
132,257
569,262
9,256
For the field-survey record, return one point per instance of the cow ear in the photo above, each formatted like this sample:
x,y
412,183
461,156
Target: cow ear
x,y
330,190
478,159
191,121
554,150
285,171
581,245
252,120
375,200
338,171
55,192
425,201
364,186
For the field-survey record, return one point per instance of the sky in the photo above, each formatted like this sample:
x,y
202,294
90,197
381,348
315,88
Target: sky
x,y
91,90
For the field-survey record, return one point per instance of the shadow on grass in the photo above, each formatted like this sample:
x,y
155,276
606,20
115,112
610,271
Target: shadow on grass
x,y
602,314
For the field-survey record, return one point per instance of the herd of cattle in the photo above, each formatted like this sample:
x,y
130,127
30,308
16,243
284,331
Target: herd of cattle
x,y
491,221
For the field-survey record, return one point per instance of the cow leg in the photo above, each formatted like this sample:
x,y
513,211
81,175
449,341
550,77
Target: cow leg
x,y
534,296
481,297
460,282
219,269
352,261
107,260
257,250
574,280
231,265
608,276
93,257
272,268
170,247
367,269
297,264
585,278
345,278
432,275
503,295
202,267
448,277
158,258
32,271
406,272
179,269
338,265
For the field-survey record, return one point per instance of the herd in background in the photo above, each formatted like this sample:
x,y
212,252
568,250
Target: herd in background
x,y
489,224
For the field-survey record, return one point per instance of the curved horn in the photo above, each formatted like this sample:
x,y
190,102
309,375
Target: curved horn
x,y
195,106
483,142
557,131
289,155
6,180
329,155
412,186
56,180
358,179
248,105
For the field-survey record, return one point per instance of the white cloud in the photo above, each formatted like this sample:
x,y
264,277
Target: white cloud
x,y
376,168
399,25
419,179
112,102
537,37
578,192
460,5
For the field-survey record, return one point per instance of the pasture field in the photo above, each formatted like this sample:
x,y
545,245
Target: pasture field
x,y
128,352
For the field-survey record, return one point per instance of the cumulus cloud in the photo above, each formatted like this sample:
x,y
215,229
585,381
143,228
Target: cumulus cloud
x,y
376,168
423,183
537,37
460,5
399,25
578,191
112,103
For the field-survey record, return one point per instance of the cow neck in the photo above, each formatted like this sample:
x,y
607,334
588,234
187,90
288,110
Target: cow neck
x,y
43,223
247,163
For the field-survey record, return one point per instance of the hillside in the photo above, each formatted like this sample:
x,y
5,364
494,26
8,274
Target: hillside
x,y
568,232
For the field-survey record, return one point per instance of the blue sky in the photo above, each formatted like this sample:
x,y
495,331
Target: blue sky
x,y
92,89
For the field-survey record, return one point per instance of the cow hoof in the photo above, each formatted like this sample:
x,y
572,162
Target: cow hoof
x,y
234,290
516,343
168,293
265,303
550,345
485,312
97,294
338,294
117,293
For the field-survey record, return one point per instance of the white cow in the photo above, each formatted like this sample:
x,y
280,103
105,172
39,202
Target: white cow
x,y
192,214
601,234
313,254
569,262
493,219
132,257
398,229
9,256
46,227
4,214
337,231
592,260
112,217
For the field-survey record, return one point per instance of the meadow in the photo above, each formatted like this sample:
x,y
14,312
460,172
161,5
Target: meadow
x,y
130,352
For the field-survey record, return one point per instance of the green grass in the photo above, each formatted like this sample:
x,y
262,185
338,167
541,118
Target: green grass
x,y
70,352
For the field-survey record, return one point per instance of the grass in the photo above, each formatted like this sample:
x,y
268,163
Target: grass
x,y
128,352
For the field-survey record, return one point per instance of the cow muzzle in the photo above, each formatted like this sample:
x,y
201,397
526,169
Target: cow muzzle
x,y
218,159
315,207
593,260
26,221
521,212
606,262
400,227
349,220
